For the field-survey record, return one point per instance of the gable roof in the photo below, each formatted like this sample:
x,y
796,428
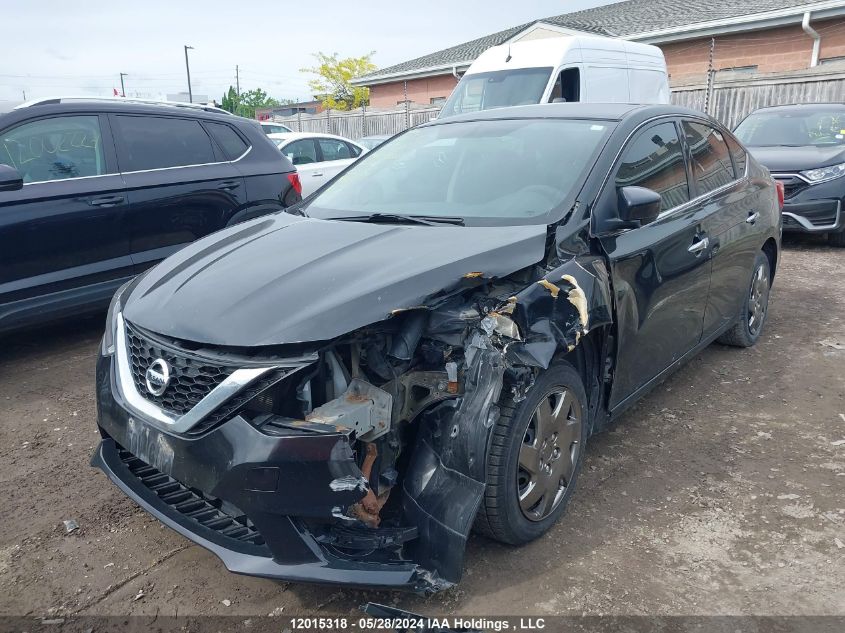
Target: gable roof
x,y
621,19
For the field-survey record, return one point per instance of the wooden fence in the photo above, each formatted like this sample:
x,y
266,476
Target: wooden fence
x,y
728,97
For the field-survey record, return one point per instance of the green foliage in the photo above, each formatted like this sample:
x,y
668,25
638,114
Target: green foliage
x,y
245,104
332,83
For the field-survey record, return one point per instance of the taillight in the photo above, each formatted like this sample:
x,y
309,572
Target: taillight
x,y
297,184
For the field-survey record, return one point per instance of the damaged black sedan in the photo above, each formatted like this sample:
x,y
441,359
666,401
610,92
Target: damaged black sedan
x,y
340,393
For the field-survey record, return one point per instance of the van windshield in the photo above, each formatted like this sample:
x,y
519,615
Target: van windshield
x,y
497,89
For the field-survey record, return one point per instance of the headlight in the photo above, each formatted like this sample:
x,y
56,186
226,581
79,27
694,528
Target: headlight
x,y
115,308
823,174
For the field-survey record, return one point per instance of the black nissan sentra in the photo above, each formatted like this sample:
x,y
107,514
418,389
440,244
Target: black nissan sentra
x,y
341,392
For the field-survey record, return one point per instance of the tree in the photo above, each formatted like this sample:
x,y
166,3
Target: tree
x,y
230,100
252,99
334,75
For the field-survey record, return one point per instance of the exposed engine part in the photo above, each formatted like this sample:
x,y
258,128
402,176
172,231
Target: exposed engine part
x,y
406,339
362,408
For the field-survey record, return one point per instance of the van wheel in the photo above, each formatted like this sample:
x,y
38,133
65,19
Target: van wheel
x,y
755,307
536,452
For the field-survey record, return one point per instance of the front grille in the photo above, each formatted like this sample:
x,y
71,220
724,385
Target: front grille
x,y
191,379
792,185
193,504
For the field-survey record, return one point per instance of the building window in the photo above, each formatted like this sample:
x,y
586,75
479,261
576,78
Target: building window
x,y
832,60
438,101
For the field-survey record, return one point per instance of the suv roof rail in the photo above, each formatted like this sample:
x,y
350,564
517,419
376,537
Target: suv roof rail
x,y
175,104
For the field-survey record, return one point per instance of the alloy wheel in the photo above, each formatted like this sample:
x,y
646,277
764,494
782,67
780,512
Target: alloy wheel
x,y
758,300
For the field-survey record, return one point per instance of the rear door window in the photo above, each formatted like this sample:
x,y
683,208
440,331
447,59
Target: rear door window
x,y
227,139
710,158
56,148
150,142
333,149
655,160
739,155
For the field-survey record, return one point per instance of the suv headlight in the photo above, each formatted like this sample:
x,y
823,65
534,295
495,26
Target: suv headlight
x,y
115,308
823,174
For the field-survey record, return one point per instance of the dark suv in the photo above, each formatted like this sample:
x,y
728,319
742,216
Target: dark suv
x,y
804,148
93,192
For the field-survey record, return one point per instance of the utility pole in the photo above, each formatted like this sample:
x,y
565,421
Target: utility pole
x,y
122,89
188,70
711,76
237,82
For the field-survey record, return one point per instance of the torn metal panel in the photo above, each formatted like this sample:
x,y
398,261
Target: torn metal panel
x,y
556,312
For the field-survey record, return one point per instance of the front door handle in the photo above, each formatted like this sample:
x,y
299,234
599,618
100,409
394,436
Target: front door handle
x,y
106,201
699,247
752,217
227,185
317,175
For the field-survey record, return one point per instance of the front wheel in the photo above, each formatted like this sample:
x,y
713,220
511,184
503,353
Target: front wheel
x,y
535,456
755,307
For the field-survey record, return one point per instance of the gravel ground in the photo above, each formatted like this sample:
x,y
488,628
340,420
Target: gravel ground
x,y
720,493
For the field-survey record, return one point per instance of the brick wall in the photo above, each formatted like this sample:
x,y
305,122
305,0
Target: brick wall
x,y
773,50
419,91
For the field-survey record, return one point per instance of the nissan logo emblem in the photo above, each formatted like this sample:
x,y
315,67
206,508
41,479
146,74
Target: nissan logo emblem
x,y
158,376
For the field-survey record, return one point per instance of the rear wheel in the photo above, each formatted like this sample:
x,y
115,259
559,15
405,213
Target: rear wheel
x,y
536,454
755,307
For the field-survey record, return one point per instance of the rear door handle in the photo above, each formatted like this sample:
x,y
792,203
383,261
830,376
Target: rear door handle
x,y
106,201
699,247
227,185
752,217
317,175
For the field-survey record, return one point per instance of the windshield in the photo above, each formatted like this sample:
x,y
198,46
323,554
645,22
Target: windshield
x,y
794,127
497,89
484,172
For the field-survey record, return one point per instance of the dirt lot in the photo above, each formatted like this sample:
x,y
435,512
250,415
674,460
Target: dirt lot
x,y
721,493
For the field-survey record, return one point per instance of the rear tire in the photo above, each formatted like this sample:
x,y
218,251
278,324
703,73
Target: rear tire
x,y
536,453
836,239
755,307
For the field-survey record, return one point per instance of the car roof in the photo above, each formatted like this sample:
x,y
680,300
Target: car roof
x,y
800,106
293,136
574,110
108,105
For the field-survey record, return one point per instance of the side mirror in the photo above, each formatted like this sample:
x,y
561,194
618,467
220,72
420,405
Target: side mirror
x,y
10,179
638,206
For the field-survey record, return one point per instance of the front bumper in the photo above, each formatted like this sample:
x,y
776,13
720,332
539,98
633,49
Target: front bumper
x,y
247,497
812,208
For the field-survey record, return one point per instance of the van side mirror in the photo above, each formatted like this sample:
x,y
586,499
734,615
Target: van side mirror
x,y
10,178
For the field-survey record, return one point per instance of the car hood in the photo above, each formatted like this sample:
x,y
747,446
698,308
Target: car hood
x,y
290,279
794,159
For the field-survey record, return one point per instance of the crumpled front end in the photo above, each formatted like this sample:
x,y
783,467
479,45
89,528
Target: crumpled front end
x,y
359,460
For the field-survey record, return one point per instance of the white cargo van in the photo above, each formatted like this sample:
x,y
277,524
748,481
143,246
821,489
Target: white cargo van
x,y
566,68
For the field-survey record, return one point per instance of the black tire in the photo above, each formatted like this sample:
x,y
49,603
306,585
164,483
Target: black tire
x,y
749,325
836,239
501,516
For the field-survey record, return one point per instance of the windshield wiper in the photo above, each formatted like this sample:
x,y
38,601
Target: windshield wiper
x,y
387,218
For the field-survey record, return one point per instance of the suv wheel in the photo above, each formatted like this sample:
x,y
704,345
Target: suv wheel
x,y
755,307
535,456
837,239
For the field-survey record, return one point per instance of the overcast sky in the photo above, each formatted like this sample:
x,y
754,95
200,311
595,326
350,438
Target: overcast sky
x,y
52,47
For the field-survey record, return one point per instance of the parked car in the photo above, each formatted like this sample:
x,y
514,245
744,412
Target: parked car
x,y
804,148
340,392
569,68
317,157
371,142
274,128
94,191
